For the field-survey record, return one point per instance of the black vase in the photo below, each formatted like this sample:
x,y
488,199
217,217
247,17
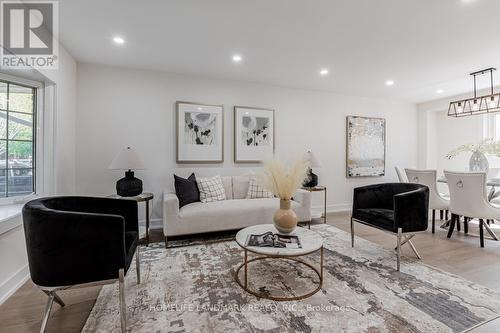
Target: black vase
x,y
311,180
129,186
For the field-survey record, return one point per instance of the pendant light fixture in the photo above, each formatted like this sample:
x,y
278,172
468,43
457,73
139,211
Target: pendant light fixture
x,y
477,104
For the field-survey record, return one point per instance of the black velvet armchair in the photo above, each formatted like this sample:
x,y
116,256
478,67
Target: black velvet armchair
x,y
75,240
398,208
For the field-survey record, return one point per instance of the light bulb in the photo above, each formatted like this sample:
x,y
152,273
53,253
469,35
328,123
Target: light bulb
x,y
475,106
459,108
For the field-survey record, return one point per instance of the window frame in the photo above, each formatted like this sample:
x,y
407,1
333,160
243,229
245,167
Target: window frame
x,y
38,116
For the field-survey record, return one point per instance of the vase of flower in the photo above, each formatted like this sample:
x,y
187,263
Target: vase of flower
x,y
283,181
285,219
478,162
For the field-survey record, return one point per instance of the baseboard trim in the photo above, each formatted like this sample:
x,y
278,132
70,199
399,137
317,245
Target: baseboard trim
x,y
336,208
13,283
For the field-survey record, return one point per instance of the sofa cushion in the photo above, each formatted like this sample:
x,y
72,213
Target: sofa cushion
x,y
256,190
186,190
240,186
227,182
378,217
211,189
227,214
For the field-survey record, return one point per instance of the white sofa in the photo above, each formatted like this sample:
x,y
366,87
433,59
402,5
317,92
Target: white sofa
x,y
235,212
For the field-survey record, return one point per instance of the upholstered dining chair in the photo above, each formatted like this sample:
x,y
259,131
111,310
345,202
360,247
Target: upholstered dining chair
x,y
468,197
401,209
436,200
76,240
401,175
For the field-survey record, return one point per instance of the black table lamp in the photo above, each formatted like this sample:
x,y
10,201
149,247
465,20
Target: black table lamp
x,y
128,160
312,179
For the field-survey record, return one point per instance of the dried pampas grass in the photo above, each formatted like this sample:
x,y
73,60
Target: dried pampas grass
x,y
283,181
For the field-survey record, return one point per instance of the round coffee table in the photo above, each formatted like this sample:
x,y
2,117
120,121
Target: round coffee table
x,y
311,242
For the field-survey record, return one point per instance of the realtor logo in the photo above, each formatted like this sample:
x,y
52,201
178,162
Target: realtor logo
x,y
29,34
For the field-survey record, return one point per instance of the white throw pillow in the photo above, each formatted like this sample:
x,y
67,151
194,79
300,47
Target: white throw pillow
x,y
257,191
211,189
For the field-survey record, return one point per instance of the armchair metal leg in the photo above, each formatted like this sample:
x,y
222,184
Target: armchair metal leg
x,y
123,307
138,264
57,299
46,315
400,233
352,232
52,297
414,249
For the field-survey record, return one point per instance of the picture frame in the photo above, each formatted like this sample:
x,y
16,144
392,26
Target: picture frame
x,y
254,134
365,146
200,133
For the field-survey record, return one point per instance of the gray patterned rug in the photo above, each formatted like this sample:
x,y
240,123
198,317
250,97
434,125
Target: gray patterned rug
x,y
192,289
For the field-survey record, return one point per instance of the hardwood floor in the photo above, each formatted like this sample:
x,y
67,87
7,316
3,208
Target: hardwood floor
x,y
460,255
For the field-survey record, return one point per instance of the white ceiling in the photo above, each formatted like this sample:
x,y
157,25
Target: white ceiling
x,y
423,45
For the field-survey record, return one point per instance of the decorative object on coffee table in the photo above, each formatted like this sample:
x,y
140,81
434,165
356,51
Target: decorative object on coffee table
x,y
200,133
283,182
311,242
312,179
145,197
365,147
128,159
253,134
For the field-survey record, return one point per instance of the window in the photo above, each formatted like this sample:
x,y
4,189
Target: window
x,y
17,139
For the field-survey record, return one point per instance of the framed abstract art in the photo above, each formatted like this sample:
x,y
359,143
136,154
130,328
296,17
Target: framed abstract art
x,y
253,134
200,133
365,147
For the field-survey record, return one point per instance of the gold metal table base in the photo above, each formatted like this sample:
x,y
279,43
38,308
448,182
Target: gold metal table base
x,y
245,287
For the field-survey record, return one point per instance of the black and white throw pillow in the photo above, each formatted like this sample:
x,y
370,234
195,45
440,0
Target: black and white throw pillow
x,y
186,190
257,191
211,189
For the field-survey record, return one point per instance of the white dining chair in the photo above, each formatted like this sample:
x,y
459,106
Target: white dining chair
x,y
436,200
468,197
401,175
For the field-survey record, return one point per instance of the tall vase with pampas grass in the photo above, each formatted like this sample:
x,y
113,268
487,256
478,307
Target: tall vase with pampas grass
x,y
283,181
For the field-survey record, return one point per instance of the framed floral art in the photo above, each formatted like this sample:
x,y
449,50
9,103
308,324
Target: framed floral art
x,y
253,134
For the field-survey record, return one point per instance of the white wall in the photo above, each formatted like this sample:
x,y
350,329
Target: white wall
x,y
119,107
439,133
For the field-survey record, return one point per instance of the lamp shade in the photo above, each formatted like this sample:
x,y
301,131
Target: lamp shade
x,y
313,160
127,159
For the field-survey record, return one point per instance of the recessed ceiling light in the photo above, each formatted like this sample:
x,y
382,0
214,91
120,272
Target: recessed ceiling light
x,y
439,91
237,58
389,83
118,40
323,72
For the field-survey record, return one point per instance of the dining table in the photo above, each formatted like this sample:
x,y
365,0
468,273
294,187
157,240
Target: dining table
x,y
492,183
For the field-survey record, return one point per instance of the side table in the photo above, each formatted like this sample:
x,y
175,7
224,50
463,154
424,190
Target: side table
x,y
145,197
318,189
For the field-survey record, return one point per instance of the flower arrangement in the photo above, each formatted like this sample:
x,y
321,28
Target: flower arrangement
x,y
486,146
283,181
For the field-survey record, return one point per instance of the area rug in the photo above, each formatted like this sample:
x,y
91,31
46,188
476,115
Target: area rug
x,y
192,289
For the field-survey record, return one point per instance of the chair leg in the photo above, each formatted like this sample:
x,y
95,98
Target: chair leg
x,y
400,233
452,225
481,232
446,215
414,249
458,222
434,220
46,314
166,242
138,264
352,232
123,307
466,225
441,214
